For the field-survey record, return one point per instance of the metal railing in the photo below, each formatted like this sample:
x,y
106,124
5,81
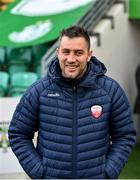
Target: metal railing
x,y
88,21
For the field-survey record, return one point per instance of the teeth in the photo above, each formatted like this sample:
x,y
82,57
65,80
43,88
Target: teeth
x,y
71,66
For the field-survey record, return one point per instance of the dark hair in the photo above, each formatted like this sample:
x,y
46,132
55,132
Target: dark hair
x,y
76,31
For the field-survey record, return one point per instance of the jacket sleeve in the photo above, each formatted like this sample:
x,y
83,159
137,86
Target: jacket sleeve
x,y
122,132
21,131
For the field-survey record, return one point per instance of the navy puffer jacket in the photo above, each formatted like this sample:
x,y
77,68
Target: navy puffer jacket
x,y
85,128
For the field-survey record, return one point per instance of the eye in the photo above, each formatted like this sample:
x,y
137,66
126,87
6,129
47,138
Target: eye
x,y
65,52
79,53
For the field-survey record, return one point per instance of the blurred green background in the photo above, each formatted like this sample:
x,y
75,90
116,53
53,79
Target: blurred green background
x,y
132,168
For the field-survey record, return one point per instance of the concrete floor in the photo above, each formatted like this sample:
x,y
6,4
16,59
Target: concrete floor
x,y
14,176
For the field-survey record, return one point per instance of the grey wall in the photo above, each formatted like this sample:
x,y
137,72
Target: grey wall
x,y
120,51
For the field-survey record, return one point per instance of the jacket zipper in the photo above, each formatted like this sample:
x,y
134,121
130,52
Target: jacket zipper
x,y
74,134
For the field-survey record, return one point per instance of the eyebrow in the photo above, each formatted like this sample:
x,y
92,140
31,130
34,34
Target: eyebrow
x,y
65,49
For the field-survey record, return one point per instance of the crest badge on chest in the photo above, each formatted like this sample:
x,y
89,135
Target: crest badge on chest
x,y
96,111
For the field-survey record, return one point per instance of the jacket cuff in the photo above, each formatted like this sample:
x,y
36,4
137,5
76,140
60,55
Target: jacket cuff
x,y
111,172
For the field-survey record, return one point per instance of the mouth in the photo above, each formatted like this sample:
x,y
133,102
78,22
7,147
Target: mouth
x,y
71,67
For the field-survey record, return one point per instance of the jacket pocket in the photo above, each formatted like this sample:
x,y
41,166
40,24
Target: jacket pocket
x,y
103,167
44,168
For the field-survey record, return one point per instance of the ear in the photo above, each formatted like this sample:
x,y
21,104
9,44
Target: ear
x,y
90,54
57,51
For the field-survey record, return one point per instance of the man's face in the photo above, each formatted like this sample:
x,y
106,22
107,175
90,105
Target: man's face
x,y
73,55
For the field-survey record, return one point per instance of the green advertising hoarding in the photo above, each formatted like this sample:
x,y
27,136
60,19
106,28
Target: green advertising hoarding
x,y
31,22
134,9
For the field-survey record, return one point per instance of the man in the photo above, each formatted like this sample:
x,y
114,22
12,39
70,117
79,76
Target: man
x,y
83,118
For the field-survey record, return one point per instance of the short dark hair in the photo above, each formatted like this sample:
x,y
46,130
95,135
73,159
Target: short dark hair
x,y
76,31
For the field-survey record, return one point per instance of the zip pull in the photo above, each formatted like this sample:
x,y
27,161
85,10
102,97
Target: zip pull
x,y
74,88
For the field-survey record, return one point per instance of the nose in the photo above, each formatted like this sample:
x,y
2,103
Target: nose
x,y
71,58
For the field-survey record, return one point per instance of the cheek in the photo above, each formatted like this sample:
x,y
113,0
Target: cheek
x,y
84,64
61,63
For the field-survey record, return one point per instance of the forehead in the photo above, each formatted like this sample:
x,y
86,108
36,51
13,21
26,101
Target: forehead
x,y
72,43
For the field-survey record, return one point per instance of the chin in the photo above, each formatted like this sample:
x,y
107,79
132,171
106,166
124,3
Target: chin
x,y
71,76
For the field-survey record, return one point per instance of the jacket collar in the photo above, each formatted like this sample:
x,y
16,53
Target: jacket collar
x,y
95,68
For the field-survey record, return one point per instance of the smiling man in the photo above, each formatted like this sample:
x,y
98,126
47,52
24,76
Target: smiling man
x,y
74,54
83,118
